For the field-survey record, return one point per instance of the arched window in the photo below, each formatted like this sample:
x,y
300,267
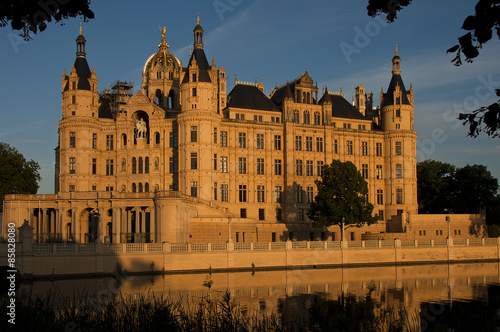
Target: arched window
x,y
158,98
304,97
146,187
134,187
157,138
146,165
124,139
296,117
171,99
307,118
141,166
308,97
158,75
317,118
134,166
140,187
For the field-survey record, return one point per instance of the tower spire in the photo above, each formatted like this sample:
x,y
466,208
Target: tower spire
x,y
198,34
80,44
396,54
396,63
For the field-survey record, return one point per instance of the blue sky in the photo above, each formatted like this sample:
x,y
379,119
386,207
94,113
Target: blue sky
x,y
274,41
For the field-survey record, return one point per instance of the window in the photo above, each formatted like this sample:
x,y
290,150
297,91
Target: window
x,y
73,100
146,187
310,194
277,166
295,117
352,236
215,135
361,127
277,142
141,166
72,139
398,149
335,146
194,134
399,171
173,139
243,214
309,143
194,189
260,194
381,214
298,143
319,168
223,138
94,188
398,126
157,138
279,217
260,141
364,171
379,172
194,160
124,139
242,140
298,167
223,164
347,126
109,167
277,194
194,92
317,118
309,168
242,165
146,165
73,85
263,217
134,187
398,113
379,149
298,195
380,197
194,78
260,166
319,144
215,162
301,215
94,166
109,142
242,193
134,165
307,117
173,165
224,193
349,148
399,196
94,141
72,162
364,148
71,187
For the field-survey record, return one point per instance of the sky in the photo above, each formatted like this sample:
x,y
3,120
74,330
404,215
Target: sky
x,y
272,41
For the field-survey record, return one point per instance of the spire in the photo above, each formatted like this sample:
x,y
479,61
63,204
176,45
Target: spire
x,y
80,28
163,45
80,44
396,63
396,50
198,20
198,34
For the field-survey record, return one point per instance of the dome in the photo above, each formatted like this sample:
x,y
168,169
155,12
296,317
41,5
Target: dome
x,y
161,59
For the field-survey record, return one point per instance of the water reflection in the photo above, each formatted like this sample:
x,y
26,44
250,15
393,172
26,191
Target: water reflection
x,y
434,296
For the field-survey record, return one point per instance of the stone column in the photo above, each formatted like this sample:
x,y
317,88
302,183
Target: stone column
x,y
143,223
116,225
129,222
152,223
123,223
75,226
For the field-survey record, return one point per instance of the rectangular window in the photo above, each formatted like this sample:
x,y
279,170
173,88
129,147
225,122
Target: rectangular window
x,y
309,168
273,236
194,134
379,149
398,149
364,171
301,214
224,196
298,167
309,143
194,189
380,197
379,172
277,166
242,116
242,192
194,78
194,160
298,143
277,142
72,165
262,215
364,148
109,142
319,168
381,214
237,116
260,166
243,214
399,196
242,165
109,167
277,194
319,144
223,164
215,135
173,139
173,165
279,215
335,146
71,187
349,148
215,162
399,171
94,166
298,195
295,117
94,141
260,141
398,113
242,140
310,194
72,139
194,92
223,138
260,194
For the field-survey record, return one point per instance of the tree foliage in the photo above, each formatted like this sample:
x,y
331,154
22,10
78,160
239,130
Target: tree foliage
x,y
434,186
33,15
480,27
17,175
341,194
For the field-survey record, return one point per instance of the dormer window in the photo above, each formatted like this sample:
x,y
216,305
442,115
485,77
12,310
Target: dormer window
x,y
398,100
194,77
73,86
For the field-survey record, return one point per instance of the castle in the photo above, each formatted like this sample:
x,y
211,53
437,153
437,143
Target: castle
x,y
181,160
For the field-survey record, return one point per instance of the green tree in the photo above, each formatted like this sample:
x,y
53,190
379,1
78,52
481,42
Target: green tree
x,y
480,28
33,15
341,197
475,187
17,175
434,186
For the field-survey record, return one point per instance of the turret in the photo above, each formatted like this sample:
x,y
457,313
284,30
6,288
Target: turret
x,y
360,99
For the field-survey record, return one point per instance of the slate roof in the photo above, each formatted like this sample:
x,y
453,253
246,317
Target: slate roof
x,y
104,111
83,72
250,97
389,95
201,60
